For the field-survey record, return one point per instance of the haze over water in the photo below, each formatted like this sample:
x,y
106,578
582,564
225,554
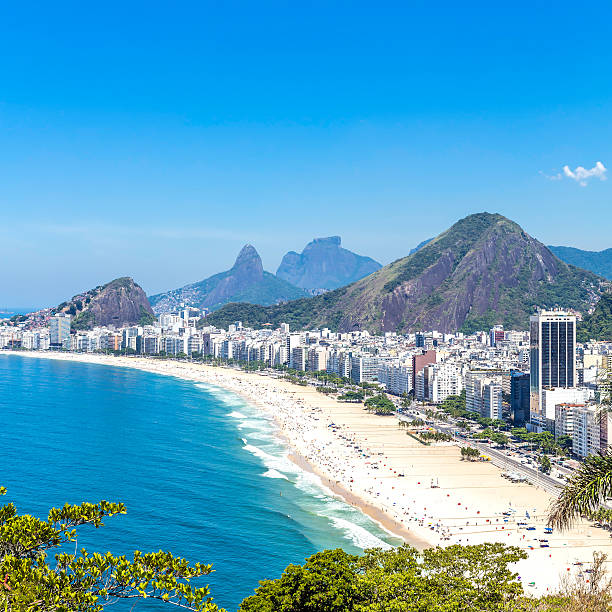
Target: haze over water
x,y
199,470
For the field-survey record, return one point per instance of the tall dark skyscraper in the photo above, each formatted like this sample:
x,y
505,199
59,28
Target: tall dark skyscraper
x,y
552,355
519,397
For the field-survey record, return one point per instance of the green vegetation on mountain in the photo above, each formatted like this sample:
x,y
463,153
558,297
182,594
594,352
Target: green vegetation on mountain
x,y
146,317
246,282
598,324
297,313
599,262
460,238
83,320
482,271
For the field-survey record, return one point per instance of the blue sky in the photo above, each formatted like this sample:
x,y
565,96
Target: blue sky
x,y
155,139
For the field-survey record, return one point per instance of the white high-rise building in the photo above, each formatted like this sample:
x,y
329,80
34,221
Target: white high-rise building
x,y
483,393
317,359
293,341
363,368
444,379
396,377
587,431
492,401
552,397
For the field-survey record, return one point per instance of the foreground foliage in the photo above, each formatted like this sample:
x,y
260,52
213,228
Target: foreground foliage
x,y
453,579
584,494
402,579
84,581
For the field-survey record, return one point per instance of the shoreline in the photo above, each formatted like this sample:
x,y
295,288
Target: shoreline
x,y
368,509
384,521
370,464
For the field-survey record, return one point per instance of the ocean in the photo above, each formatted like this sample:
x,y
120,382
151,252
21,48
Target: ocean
x,y
199,469
7,313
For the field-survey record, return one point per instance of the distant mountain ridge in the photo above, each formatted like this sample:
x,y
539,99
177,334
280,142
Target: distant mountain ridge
x,y
483,270
419,246
246,281
599,262
324,264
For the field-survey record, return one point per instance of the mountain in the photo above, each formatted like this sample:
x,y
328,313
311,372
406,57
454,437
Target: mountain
x,y
120,302
324,264
599,262
245,282
419,246
598,324
482,271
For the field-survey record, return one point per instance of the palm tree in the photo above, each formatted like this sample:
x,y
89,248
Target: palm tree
x,y
588,488
592,482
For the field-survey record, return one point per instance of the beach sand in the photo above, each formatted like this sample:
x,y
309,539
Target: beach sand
x,y
373,464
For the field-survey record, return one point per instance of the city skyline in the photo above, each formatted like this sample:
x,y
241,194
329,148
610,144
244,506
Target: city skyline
x,y
165,144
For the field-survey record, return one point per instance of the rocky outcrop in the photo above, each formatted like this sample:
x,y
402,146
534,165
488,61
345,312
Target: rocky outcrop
x,y
118,303
324,264
482,271
246,281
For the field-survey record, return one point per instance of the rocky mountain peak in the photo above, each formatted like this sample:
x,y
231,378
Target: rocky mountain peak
x,y
248,254
117,303
332,241
248,264
245,281
324,264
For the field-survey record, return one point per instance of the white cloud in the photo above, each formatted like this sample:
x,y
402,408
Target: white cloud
x,y
582,175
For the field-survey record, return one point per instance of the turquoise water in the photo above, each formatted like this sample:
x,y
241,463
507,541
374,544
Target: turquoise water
x,y
199,470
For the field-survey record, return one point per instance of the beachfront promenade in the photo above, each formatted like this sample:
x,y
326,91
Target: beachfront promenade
x,y
501,459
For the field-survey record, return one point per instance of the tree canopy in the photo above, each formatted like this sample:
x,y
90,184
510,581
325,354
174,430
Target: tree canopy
x,y
85,581
401,579
380,404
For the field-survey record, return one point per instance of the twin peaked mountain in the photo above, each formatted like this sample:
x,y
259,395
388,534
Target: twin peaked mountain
x,y
246,281
323,265
482,271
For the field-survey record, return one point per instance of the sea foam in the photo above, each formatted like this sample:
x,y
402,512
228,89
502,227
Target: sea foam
x,y
319,499
360,536
274,474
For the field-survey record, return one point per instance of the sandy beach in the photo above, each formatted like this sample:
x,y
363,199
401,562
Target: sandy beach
x,y
424,494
